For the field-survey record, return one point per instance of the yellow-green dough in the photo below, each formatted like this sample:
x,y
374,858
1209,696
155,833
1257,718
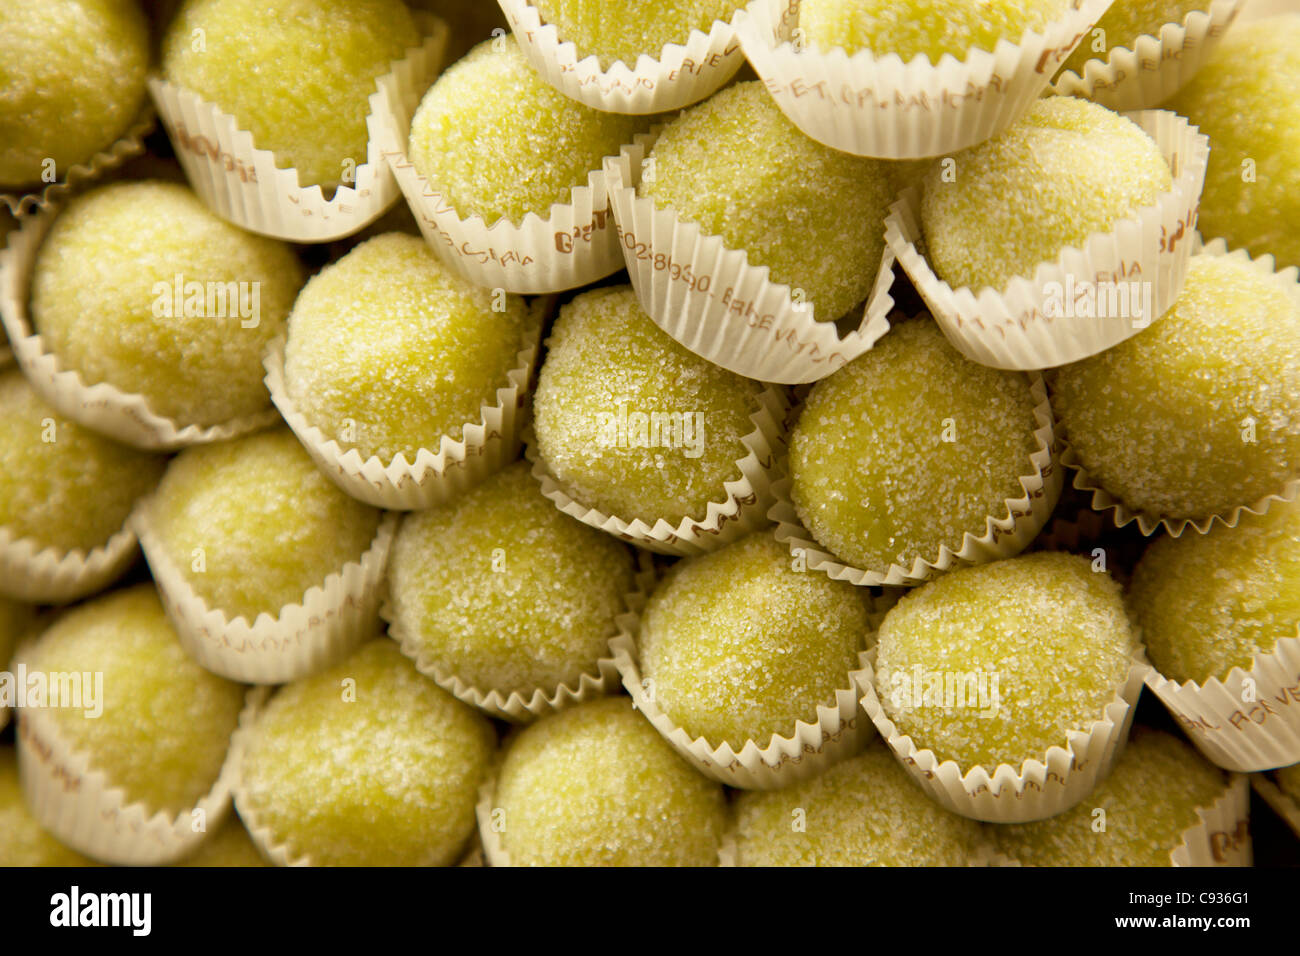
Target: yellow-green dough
x,y
230,846
615,30
23,842
1123,22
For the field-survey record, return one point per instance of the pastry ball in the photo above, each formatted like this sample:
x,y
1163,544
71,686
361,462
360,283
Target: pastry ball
x,y
1200,412
23,842
230,846
1065,170
616,30
389,349
139,285
738,646
297,74
813,215
71,83
596,785
1207,603
864,811
367,764
908,447
498,141
63,485
165,724
1252,187
929,28
252,524
1147,802
1126,20
1027,649
504,590
631,422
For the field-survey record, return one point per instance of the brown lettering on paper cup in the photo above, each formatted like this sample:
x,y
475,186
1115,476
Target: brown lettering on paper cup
x,y
1224,842
200,145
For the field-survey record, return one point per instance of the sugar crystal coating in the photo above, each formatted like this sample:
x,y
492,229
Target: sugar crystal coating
x,y
614,30
230,846
595,785
23,842
1126,20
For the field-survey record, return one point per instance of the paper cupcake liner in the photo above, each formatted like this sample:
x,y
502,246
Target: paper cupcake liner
x,y
305,637
1279,801
1021,326
682,73
102,407
80,806
1007,533
1222,838
880,106
1156,65
485,445
242,184
1039,788
43,574
130,145
744,509
712,301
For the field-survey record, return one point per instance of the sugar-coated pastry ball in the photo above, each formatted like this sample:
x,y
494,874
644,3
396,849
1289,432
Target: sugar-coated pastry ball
x,y
737,645
998,662
389,349
1200,412
907,448
165,724
252,523
615,30
139,285
929,28
631,422
738,167
1147,802
367,764
1239,99
1126,20
1288,778
63,485
504,590
230,846
1207,603
296,74
864,811
498,141
596,785
71,83
23,842
1065,170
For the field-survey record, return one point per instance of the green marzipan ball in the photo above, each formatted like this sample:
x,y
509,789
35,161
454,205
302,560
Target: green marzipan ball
x,y
23,842
615,30
595,785
1126,20
367,764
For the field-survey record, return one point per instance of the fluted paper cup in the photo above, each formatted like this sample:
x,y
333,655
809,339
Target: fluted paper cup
x,y
1222,838
42,574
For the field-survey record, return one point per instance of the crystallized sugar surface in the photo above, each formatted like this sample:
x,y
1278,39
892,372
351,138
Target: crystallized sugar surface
x,y
1066,169
389,350
595,785
1206,603
607,361
814,216
104,298
1051,632
63,485
71,82
252,523
1200,412
907,448
738,646
927,28
1148,800
23,842
297,74
498,141
368,764
617,30
1124,22
864,811
504,590
166,722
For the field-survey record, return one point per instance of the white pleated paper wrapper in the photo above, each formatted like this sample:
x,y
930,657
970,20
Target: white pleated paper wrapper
x,y
711,300
1016,524
880,106
1023,326
42,574
1155,66
682,73
1222,838
485,445
242,184
743,509
123,416
1038,788
1281,802
302,638
79,805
